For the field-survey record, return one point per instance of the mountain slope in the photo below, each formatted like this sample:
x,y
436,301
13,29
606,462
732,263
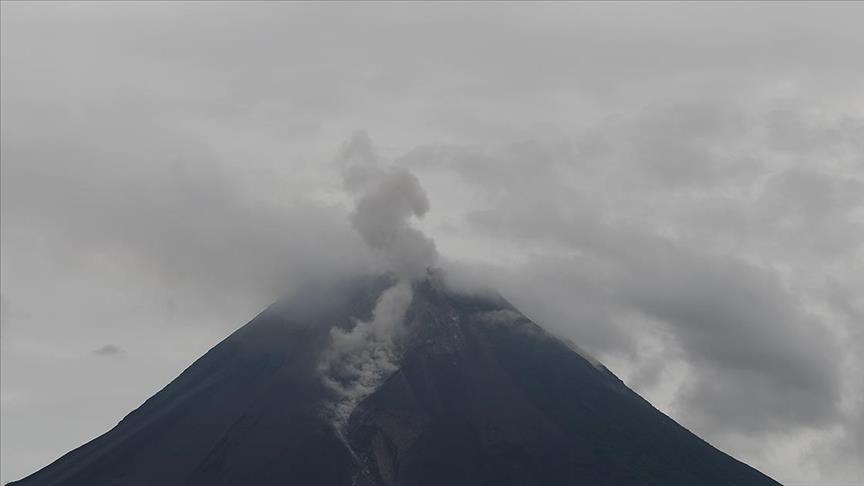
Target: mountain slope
x,y
481,396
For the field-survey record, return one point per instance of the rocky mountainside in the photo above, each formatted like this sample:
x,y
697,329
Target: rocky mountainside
x,y
477,395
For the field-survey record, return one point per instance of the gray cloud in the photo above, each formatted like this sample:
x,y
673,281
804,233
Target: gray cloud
x,y
109,350
681,197
168,207
750,329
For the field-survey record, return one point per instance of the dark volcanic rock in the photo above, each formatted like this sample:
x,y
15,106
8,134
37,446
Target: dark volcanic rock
x,y
482,396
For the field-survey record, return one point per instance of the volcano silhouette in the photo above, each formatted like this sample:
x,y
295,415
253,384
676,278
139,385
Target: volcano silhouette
x,y
481,396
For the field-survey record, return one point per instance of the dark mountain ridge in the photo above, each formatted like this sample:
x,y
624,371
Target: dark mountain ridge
x,y
481,395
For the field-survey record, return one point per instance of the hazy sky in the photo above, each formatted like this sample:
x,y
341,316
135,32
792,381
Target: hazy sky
x,y
677,188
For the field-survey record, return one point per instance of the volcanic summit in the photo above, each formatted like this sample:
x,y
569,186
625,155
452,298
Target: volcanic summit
x,y
464,390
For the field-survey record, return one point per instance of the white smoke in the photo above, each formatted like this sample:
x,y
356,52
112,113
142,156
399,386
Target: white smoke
x,y
359,360
386,199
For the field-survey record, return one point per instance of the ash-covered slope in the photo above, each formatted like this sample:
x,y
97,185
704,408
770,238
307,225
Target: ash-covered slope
x,y
481,395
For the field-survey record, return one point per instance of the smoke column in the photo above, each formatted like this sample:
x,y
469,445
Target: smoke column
x,y
385,201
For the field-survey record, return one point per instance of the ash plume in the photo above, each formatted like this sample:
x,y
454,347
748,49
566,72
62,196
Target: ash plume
x,y
385,201
386,198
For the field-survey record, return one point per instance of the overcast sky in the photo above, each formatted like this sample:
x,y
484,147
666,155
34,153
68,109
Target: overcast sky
x,y
676,188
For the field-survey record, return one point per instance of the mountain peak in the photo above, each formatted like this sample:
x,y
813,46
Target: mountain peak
x,y
377,381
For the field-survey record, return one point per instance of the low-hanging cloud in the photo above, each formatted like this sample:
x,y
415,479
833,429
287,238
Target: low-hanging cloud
x,y
722,274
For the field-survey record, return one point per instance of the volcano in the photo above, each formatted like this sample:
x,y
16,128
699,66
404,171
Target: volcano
x,y
480,395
